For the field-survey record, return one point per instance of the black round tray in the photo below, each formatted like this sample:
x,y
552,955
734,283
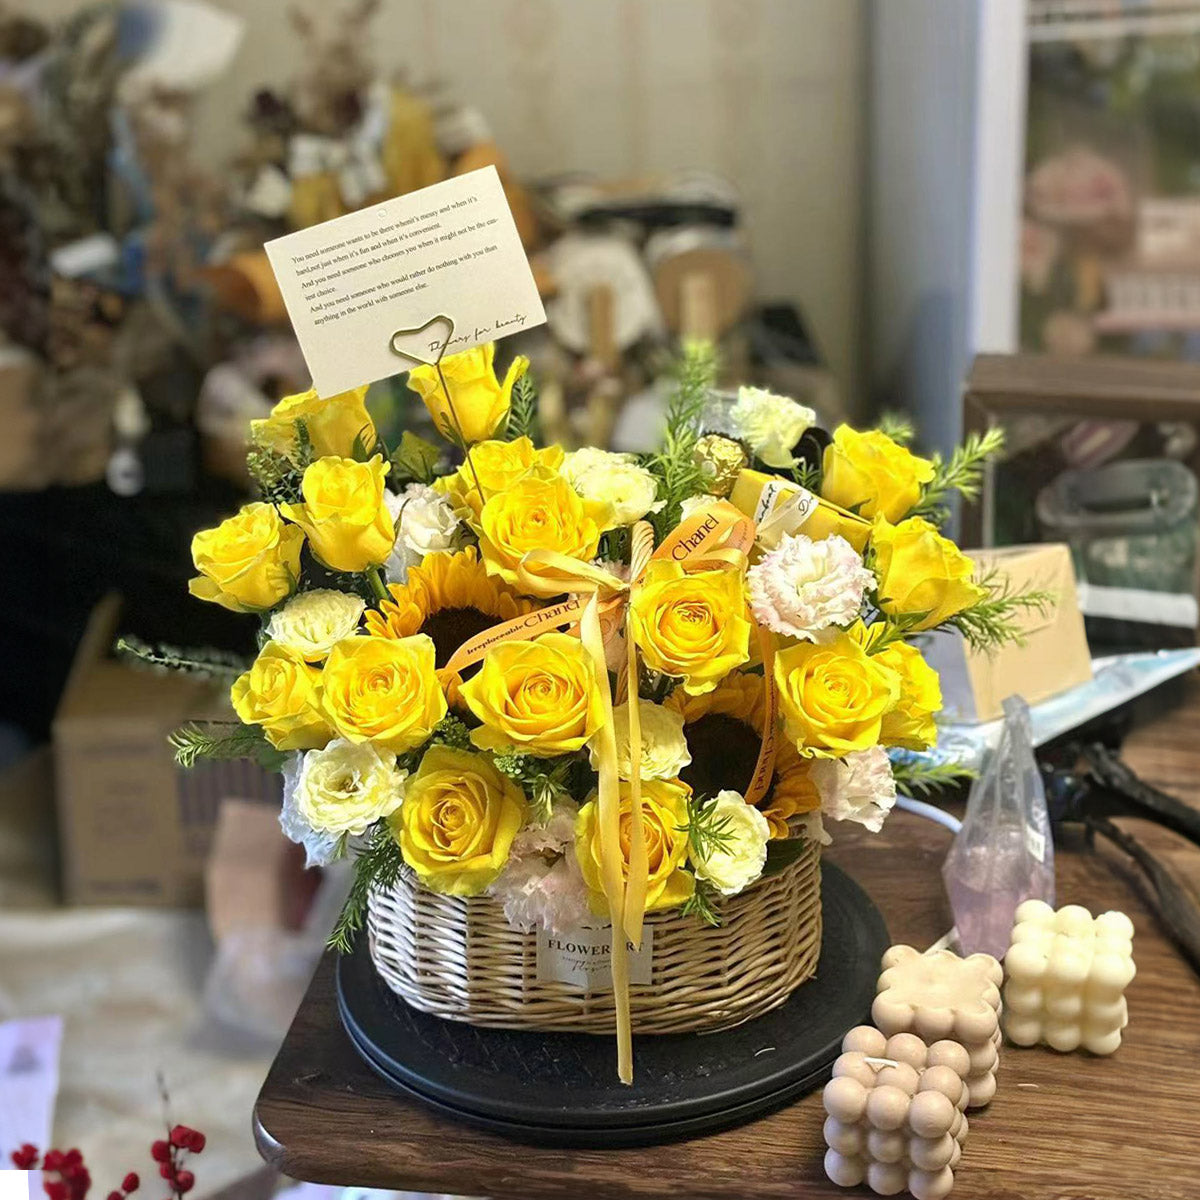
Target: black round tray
x,y
562,1088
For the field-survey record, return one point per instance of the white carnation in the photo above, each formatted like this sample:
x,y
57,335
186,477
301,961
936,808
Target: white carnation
x,y
664,746
312,623
739,858
858,787
345,788
542,885
425,524
770,425
690,504
320,848
802,586
614,480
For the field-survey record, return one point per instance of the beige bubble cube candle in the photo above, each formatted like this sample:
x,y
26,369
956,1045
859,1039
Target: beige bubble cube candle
x,y
1066,978
940,995
896,1119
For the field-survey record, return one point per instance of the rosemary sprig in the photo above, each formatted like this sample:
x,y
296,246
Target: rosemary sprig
x,y
963,473
808,476
995,621
898,427
702,903
377,865
679,474
222,741
707,833
523,413
212,664
917,777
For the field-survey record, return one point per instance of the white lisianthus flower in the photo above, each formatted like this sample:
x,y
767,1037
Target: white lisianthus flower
x,y
425,524
320,848
542,885
615,480
689,504
858,787
312,623
664,746
770,425
804,586
739,859
347,787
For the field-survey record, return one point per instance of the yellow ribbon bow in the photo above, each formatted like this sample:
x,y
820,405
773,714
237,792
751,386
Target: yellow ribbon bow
x,y
715,536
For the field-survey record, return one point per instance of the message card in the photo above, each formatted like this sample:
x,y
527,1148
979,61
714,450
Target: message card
x,y
450,250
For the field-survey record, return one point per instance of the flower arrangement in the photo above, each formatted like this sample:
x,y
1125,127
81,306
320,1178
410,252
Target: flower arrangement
x,y
590,685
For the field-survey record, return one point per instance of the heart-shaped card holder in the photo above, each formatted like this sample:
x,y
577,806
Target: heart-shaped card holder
x,y
424,344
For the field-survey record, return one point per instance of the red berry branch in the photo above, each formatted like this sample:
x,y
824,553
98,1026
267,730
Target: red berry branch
x,y
66,1177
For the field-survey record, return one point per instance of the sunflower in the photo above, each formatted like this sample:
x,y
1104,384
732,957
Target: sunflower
x,y
724,731
450,597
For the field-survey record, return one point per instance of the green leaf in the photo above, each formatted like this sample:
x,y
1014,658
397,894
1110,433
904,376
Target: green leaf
x,y
223,741
523,413
782,852
415,460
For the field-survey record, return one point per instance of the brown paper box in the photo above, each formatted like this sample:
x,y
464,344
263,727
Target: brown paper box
x,y
134,828
1055,654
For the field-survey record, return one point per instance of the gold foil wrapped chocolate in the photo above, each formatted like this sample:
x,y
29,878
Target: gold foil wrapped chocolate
x,y
721,459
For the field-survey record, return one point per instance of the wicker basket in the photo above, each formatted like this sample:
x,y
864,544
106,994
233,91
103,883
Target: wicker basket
x,y
461,959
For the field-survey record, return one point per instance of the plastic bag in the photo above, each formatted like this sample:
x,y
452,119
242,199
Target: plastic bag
x,y
1003,854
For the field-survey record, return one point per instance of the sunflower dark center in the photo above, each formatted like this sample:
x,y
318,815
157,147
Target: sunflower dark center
x,y
450,627
724,754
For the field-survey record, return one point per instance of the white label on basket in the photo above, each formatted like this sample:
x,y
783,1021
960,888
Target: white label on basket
x,y
583,958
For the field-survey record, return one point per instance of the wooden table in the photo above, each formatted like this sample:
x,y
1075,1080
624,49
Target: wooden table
x,y
1067,1127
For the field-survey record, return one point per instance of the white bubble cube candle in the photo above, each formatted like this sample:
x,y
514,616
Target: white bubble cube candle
x,y
940,995
1066,975
896,1119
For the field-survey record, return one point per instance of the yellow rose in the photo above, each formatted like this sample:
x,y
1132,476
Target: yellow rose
x,y
872,475
248,562
458,820
541,697
344,513
834,696
383,690
336,427
664,820
499,465
282,693
481,403
921,574
910,723
692,626
541,511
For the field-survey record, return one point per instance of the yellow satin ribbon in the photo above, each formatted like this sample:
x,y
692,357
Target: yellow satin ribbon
x,y
715,536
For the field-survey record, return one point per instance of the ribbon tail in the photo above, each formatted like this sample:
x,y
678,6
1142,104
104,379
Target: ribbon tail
x,y
639,872
609,820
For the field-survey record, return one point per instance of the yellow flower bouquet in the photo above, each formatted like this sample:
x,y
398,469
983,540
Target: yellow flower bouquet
x,y
552,690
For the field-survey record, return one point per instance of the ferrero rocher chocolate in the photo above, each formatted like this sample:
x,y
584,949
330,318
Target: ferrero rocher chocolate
x,y
720,459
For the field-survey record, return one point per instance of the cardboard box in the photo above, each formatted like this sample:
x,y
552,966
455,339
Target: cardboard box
x,y
1055,653
133,827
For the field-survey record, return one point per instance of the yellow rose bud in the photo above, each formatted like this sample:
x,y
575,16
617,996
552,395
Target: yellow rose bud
x,y
921,574
872,475
541,697
834,696
282,693
336,427
249,562
910,723
480,402
383,690
344,513
664,822
692,626
498,466
458,820
541,511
